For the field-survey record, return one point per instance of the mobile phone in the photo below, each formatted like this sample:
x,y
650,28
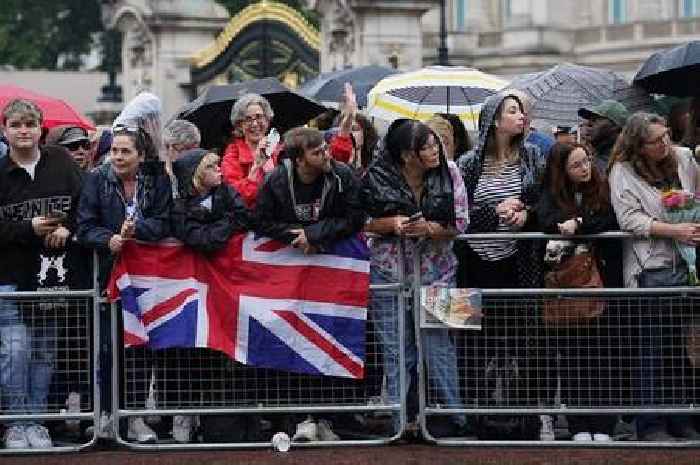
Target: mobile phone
x,y
415,217
273,138
57,215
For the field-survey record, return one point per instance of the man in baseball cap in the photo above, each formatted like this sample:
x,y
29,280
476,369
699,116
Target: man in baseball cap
x,y
76,141
606,121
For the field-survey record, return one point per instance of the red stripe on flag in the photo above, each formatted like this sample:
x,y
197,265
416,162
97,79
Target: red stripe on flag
x,y
131,340
166,306
356,369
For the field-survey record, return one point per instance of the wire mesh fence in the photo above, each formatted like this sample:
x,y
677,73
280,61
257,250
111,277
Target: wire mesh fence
x,y
47,347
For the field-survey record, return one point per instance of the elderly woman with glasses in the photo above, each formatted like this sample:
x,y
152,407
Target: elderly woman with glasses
x,y
247,159
644,164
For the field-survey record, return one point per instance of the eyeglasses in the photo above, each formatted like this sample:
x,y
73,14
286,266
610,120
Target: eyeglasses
x,y
259,118
577,165
661,140
79,144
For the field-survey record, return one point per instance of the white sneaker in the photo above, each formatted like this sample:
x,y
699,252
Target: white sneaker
x,y
547,428
73,406
38,437
325,433
16,438
139,431
307,431
582,436
602,437
182,428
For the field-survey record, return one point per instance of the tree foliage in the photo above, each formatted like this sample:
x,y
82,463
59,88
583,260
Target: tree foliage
x,y
235,6
47,34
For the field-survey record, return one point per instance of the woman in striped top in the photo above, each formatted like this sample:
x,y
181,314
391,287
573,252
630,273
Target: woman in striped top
x,y
502,177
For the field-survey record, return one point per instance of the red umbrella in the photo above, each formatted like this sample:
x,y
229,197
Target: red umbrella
x,y
56,111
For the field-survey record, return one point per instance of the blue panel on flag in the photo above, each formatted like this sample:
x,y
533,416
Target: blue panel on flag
x,y
349,332
129,295
267,350
179,331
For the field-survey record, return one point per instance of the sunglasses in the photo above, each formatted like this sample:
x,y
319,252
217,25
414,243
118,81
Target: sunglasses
x,y
125,128
84,144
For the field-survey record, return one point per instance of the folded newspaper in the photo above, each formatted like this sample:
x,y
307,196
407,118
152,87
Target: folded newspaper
x,y
456,308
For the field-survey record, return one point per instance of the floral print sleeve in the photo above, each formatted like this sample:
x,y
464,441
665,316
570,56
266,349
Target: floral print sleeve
x,y
460,198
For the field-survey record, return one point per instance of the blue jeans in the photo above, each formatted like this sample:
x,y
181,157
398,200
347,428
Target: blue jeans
x,y
439,352
26,360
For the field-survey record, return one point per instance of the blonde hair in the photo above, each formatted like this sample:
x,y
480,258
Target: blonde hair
x,y
199,171
442,127
22,108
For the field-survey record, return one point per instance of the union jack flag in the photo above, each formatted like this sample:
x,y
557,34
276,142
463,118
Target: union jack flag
x,y
261,302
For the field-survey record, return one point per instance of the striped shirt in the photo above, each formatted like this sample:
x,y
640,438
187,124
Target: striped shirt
x,y
492,190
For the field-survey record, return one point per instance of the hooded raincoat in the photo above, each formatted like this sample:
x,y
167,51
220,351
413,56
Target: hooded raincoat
x,y
529,254
205,222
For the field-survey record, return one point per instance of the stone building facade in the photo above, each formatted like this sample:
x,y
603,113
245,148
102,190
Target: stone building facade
x,y
509,37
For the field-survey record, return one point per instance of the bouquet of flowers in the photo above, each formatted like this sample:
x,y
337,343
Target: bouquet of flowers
x,y
683,207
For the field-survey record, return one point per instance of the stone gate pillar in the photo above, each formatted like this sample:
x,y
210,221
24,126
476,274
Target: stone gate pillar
x,y
159,39
363,32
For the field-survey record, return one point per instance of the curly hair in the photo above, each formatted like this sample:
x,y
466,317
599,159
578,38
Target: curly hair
x,y
629,147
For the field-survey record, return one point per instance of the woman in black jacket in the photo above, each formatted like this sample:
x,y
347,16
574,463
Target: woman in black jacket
x,y
122,201
416,200
208,212
576,200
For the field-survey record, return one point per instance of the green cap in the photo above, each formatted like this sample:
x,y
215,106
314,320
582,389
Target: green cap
x,y
610,109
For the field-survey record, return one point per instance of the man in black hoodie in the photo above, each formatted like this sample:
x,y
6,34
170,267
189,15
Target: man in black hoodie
x,y
39,187
309,200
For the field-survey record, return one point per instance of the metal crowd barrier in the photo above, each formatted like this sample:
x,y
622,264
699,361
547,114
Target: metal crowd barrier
x,y
520,366
256,402
61,329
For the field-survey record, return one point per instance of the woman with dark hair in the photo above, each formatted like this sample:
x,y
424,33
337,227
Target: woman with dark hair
x,y
576,200
414,197
643,165
502,175
121,202
356,138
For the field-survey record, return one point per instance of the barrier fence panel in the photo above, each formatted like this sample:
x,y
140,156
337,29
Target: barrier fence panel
x,y
48,365
232,405
638,358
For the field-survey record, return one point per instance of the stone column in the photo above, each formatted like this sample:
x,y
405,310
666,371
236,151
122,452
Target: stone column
x,y
160,37
362,32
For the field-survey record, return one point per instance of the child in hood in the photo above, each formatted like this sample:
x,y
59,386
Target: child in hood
x,y
208,212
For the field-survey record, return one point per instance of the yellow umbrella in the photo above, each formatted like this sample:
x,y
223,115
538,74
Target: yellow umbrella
x,y
435,89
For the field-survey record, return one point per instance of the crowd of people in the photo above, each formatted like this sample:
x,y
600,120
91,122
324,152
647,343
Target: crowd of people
x,y
66,194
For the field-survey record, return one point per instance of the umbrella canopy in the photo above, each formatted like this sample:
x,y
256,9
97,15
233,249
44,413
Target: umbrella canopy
x,y
557,93
435,89
674,71
56,112
328,88
211,111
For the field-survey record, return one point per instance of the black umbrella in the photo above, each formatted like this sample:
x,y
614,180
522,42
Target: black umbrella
x,y
557,93
329,87
674,71
211,111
